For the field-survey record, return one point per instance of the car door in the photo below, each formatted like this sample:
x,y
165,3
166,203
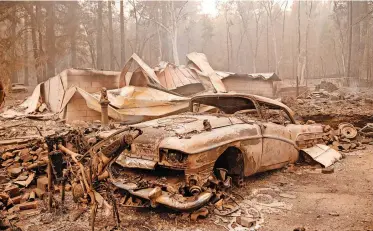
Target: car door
x,y
278,146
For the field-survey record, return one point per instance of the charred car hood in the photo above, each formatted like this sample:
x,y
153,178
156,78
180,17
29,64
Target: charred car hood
x,y
183,127
184,124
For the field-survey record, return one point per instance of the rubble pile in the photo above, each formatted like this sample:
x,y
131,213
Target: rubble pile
x,y
346,138
334,107
34,169
25,168
328,86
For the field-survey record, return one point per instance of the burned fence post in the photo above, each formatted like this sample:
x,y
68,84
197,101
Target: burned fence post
x,y
64,179
50,182
55,166
104,101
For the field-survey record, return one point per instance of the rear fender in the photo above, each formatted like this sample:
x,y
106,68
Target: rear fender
x,y
307,135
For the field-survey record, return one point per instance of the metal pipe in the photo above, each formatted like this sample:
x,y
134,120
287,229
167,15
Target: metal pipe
x,y
104,102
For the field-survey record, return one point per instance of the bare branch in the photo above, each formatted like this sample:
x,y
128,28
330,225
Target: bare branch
x,y
363,18
151,19
181,9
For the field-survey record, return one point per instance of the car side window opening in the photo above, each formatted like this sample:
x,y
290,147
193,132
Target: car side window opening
x,y
250,113
203,108
274,114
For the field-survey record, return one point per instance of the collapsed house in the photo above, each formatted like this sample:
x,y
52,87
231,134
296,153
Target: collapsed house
x,y
56,94
74,95
196,77
263,84
139,92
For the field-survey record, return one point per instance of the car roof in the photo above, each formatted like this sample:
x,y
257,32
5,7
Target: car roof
x,y
244,95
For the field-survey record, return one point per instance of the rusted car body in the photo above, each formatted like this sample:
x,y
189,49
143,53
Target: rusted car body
x,y
181,161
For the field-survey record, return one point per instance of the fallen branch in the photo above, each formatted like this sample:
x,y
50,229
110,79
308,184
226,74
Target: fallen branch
x,y
13,125
89,187
20,140
81,167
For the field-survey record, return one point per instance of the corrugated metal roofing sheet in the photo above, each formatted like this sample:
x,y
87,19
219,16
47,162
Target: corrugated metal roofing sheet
x,y
265,76
199,62
173,77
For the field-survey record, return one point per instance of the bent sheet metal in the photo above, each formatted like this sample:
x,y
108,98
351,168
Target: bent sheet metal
x,y
323,154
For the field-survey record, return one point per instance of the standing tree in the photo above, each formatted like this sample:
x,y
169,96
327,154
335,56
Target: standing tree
x,y
99,60
305,64
122,35
89,28
171,28
253,38
273,11
111,42
341,36
207,32
228,24
349,38
298,48
42,58
25,51
31,12
14,44
74,22
282,37
50,38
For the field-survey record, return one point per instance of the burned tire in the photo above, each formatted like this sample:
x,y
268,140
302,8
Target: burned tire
x,y
232,160
238,180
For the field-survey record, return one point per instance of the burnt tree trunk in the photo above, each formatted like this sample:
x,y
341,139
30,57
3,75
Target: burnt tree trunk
x,y
164,36
357,42
50,39
99,59
111,42
14,44
349,39
25,54
74,27
227,25
41,65
298,66
267,45
122,35
39,77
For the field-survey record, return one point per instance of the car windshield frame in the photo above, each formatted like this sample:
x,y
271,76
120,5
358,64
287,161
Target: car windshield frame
x,y
255,103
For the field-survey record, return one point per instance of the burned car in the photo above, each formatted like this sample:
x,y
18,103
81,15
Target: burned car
x,y
183,161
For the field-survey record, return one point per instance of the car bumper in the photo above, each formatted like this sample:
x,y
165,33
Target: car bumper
x,y
157,196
